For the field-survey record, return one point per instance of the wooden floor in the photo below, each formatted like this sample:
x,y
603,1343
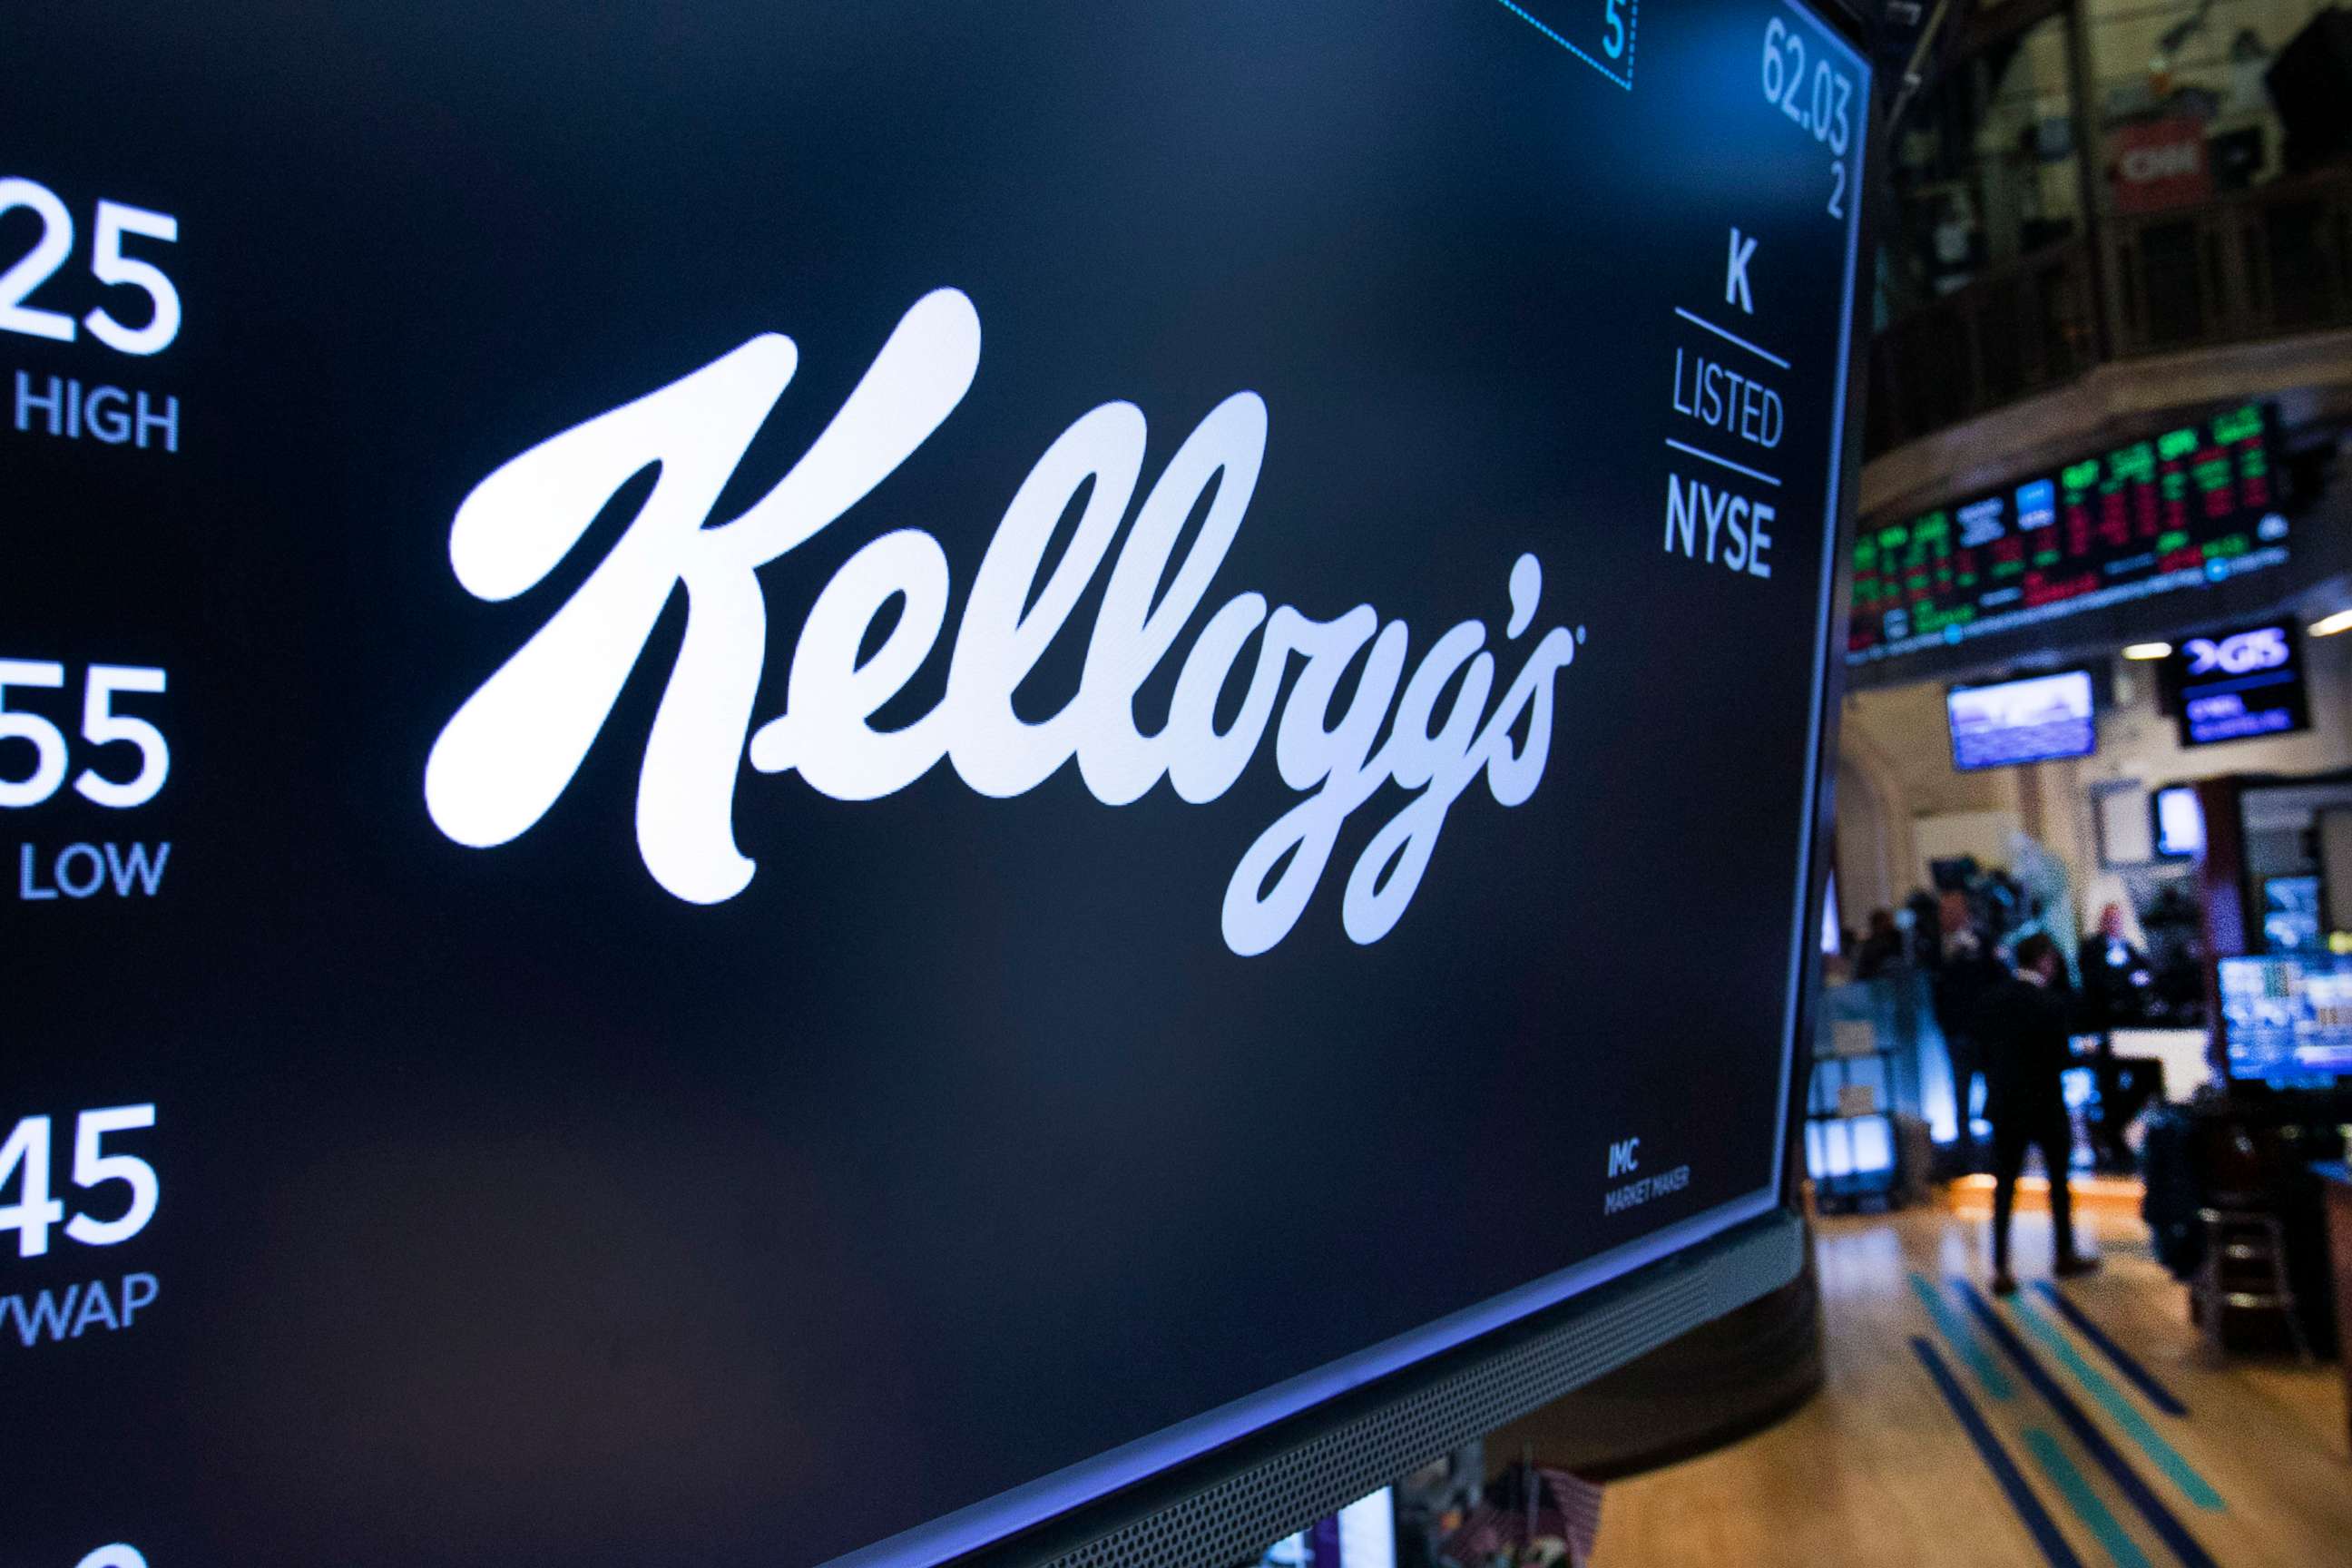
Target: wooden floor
x,y
1879,1469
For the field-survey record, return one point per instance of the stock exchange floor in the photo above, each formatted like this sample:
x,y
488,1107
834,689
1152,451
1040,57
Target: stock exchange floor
x,y
1956,1429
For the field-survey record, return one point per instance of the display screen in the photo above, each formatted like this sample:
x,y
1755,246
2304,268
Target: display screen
x,y
2179,509
2180,822
789,783
2239,685
2029,720
2290,915
2288,1020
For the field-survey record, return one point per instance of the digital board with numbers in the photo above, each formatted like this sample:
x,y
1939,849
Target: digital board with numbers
x,y
2190,507
788,783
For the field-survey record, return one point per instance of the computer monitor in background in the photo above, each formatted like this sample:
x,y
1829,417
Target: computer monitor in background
x,y
875,783
2239,685
2180,822
2288,1021
2032,720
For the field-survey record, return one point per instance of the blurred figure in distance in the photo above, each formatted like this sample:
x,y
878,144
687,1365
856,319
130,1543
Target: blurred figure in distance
x,y
1965,970
1880,948
2026,1023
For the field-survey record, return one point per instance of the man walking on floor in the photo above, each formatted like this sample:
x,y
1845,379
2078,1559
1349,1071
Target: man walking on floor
x,y
2025,1023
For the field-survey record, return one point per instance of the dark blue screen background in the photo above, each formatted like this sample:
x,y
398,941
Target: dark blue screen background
x,y
514,1210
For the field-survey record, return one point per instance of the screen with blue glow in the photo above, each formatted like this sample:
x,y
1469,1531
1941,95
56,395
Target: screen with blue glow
x,y
2180,822
2239,685
2034,719
788,783
2288,1020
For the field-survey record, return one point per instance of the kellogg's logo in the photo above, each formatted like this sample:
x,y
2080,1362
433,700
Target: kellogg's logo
x,y
511,749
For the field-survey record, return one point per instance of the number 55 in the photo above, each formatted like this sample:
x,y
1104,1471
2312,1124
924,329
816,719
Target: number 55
x,y
1612,17
101,725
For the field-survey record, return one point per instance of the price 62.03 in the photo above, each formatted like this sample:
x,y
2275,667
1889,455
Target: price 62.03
x,y
1819,101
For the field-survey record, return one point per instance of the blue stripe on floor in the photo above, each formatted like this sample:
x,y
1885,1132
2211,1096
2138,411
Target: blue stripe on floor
x,y
2093,1442
1964,1342
2125,1414
2072,1486
2141,1378
2037,1520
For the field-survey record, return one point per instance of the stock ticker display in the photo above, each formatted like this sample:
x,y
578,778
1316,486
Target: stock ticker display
x,y
2182,509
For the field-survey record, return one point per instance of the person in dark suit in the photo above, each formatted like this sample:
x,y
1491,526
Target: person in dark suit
x,y
2023,1027
2115,974
1962,972
1881,951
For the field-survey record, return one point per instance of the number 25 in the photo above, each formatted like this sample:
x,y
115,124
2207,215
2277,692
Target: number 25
x,y
108,264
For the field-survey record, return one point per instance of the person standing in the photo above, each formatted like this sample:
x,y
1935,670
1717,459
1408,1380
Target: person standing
x,y
1881,950
1964,970
2115,974
2025,1023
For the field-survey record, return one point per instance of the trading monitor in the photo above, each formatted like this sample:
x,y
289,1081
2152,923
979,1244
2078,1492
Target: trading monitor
x,y
2288,1020
857,783
2032,720
2239,685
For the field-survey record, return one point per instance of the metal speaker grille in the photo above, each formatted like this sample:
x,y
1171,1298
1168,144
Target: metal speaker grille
x,y
1232,1520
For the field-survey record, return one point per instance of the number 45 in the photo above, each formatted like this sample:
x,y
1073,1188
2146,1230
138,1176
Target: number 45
x,y
34,1212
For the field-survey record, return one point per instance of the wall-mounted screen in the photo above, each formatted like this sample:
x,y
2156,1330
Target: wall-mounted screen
x,y
2288,1020
2180,822
2034,720
2179,509
2239,685
760,756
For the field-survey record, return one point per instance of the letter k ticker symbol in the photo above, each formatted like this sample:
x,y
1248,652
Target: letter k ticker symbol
x,y
1734,274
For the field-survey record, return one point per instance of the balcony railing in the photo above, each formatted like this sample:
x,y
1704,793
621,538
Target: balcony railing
x,y
2268,262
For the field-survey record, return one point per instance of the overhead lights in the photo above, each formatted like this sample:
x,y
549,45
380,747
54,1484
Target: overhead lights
x,y
2145,650
2328,625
